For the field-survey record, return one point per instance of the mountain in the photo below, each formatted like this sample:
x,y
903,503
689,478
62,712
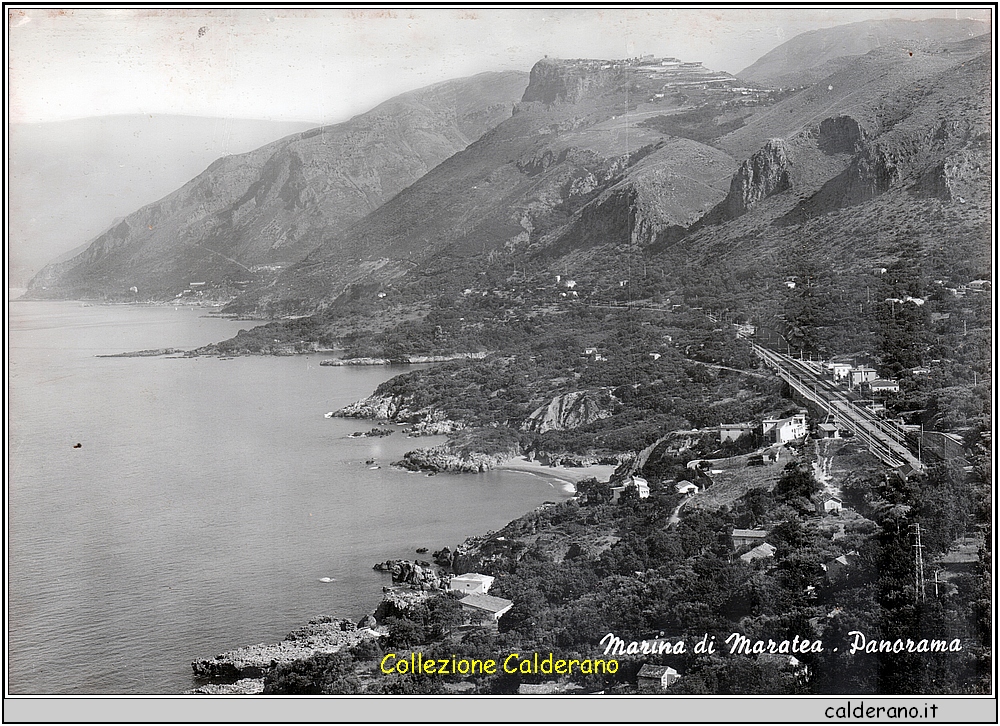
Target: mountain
x,y
812,56
70,180
884,160
587,135
250,214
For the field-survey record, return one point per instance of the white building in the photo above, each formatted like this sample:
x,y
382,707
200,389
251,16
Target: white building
x,y
633,482
783,430
659,677
484,608
861,375
471,583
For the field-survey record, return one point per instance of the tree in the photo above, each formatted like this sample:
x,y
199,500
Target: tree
x,y
797,481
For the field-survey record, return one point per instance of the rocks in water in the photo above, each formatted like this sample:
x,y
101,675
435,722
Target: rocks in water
x,y
421,550
242,687
443,557
322,635
441,458
368,621
375,433
404,572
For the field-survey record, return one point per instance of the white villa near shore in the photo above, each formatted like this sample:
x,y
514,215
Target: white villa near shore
x,y
471,583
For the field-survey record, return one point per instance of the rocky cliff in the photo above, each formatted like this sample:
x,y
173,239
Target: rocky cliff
x,y
570,411
553,81
520,187
424,420
930,138
765,173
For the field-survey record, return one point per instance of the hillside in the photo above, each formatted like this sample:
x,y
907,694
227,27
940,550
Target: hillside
x,y
579,135
251,214
70,180
594,253
809,57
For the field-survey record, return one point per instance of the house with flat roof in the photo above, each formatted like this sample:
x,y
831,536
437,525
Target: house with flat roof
x,y
731,432
783,430
828,431
840,371
484,609
471,583
657,676
747,537
862,374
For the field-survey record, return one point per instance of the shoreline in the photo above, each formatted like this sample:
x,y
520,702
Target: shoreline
x,y
570,475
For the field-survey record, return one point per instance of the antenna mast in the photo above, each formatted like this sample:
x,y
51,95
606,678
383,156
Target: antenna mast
x,y
918,565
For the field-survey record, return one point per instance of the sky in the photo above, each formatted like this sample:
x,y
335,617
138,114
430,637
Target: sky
x,y
326,65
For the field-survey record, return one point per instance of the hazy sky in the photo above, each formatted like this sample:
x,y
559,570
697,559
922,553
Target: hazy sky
x,y
327,65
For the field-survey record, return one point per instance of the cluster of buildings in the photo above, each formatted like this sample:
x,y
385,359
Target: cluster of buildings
x,y
864,378
479,607
773,430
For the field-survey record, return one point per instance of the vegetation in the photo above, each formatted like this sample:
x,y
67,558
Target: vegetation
x,y
579,570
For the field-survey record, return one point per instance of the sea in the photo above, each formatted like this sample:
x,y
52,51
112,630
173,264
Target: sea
x,y
166,509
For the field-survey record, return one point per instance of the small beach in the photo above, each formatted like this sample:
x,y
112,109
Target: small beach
x,y
567,474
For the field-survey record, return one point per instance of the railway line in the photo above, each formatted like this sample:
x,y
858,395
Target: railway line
x,y
885,439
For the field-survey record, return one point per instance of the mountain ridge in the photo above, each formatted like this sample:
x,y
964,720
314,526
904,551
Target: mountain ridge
x,y
248,215
811,56
70,180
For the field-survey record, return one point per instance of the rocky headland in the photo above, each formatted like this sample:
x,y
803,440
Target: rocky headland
x,y
406,360
422,420
151,353
241,671
444,459
322,635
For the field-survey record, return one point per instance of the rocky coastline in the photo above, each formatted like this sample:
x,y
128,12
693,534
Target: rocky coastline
x,y
375,433
152,353
405,360
421,420
321,635
440,459
241,671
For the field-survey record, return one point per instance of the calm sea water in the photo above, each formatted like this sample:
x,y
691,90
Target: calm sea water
x,y
204,503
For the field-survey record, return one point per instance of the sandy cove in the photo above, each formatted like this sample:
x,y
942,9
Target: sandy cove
x,y
566,474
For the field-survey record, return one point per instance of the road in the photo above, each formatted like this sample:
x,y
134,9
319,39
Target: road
x,y
884,438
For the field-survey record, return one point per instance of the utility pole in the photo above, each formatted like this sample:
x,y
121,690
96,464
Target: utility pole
x,y
918,565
